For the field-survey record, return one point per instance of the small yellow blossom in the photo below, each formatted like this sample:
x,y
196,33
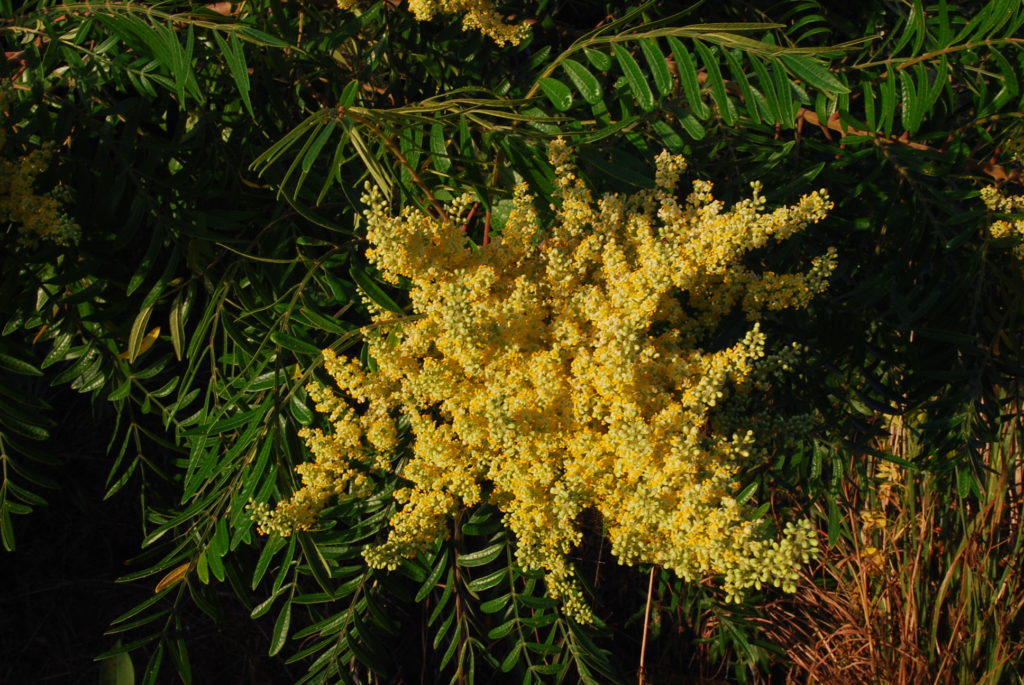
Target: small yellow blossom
x,y
873,559
478,15
553,372
873,519
891,476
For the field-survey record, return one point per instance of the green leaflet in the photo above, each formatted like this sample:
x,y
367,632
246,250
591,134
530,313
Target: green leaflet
x,y
584,81
290,342
282,623
557,93
480,557
372,290
687,69
634,77
260,37
658,65
751,100
234,55
18,366
599,60
814,74
726,108
138,334
439,149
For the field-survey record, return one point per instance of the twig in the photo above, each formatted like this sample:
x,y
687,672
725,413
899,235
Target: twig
x,y
641,675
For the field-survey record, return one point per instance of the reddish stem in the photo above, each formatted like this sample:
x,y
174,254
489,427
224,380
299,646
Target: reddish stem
x,y
469,217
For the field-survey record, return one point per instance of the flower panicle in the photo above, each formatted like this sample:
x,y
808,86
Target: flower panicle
x,y
558,371
477,15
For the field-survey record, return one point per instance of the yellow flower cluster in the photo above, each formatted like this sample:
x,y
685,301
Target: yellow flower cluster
x,y
36,216
477,15
556,372
1002,228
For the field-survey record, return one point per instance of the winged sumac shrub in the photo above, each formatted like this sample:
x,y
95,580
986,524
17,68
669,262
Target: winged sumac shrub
x,y
556,371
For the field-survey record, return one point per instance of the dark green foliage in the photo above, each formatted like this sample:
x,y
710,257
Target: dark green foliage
x,y
216,163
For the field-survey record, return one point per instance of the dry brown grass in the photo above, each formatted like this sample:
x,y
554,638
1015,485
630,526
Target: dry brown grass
x,y
924,583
